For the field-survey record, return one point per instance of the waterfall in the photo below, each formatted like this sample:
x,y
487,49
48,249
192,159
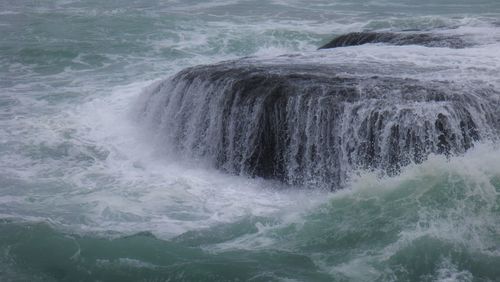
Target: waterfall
x,y
313,124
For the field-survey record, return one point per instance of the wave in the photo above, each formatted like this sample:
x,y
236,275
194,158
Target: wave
x,y
434,221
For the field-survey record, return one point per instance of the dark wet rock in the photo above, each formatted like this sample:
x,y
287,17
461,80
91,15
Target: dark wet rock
x,y
313,124
423,39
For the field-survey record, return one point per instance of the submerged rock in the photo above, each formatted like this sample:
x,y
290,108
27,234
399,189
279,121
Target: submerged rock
x,y
313,123
423,39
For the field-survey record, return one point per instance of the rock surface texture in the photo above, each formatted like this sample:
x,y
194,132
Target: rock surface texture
x,y
311,119
423,39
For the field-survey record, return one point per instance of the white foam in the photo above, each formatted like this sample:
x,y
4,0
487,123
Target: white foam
x,y
126,186
132,189
448,272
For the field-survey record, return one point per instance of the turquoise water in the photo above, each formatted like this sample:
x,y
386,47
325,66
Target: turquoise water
x,y
85,197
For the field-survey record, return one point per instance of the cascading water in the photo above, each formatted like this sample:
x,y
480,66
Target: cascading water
x,y
101,183
312,123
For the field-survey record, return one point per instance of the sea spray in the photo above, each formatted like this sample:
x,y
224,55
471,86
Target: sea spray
x,y
86,193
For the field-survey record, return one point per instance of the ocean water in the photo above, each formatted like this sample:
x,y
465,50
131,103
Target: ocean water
x,y
86,196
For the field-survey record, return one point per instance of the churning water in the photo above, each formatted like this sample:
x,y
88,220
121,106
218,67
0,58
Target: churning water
x,y
86,194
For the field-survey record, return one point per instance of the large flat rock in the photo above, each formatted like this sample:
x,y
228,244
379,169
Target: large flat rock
x,y
314,118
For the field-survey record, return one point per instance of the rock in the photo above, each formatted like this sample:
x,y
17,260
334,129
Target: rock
x,y
312,124
423,39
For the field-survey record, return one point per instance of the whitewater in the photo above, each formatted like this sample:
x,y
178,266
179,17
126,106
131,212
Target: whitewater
x,y
88,193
